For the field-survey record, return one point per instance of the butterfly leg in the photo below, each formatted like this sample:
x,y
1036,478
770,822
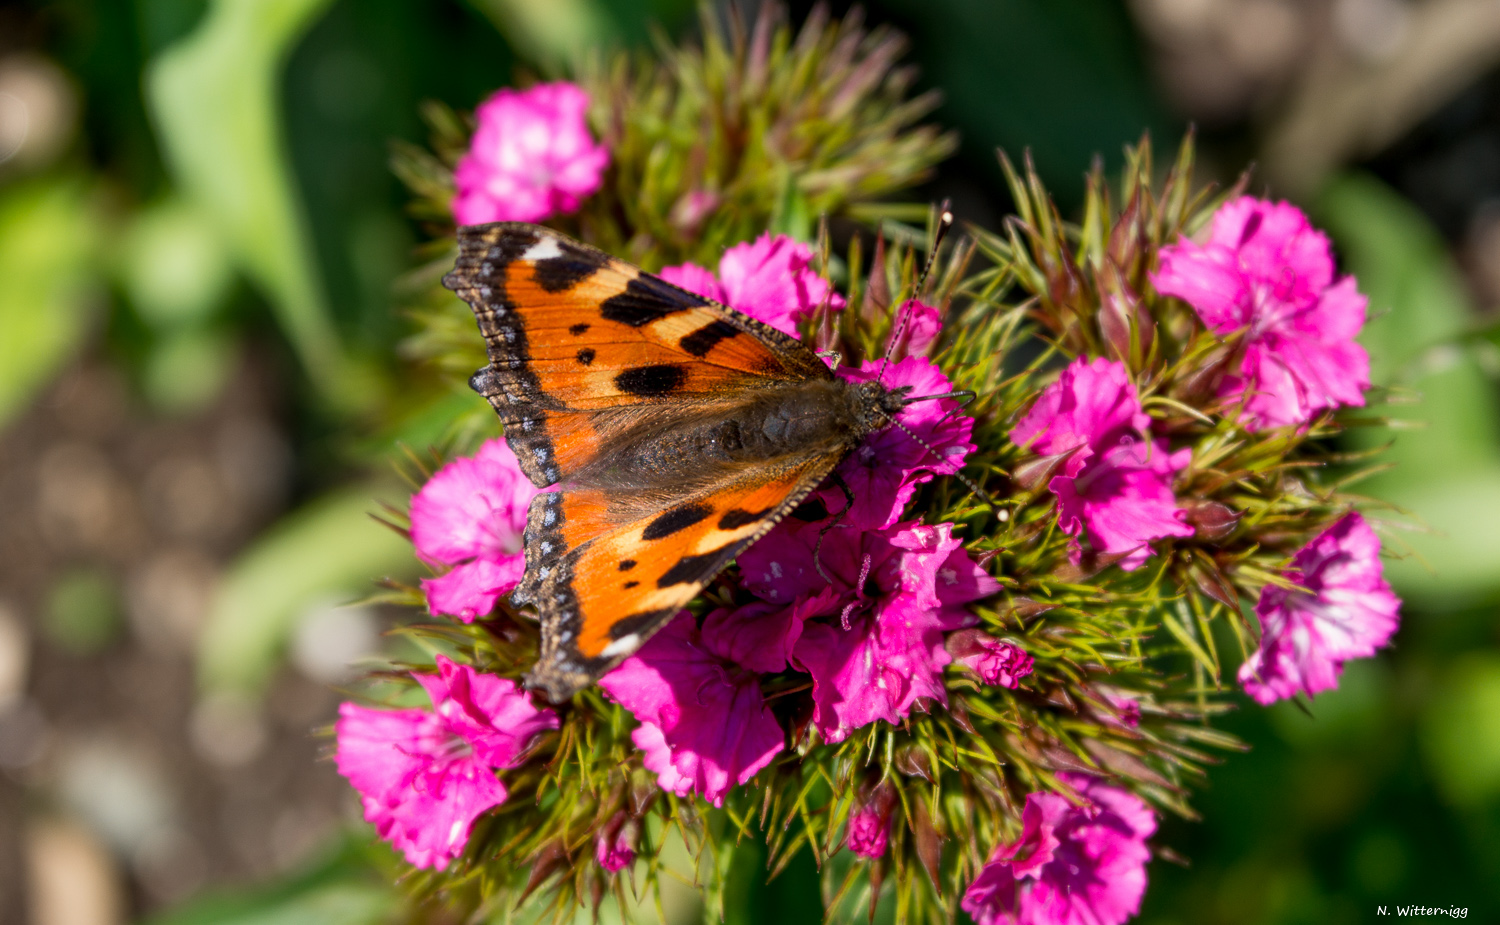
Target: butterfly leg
x,y
833,522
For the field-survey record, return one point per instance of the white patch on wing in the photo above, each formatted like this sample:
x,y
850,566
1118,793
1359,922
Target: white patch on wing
x,y
541,250
622,646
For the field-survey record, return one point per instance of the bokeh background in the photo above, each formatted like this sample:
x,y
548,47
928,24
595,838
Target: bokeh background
x,y
202,399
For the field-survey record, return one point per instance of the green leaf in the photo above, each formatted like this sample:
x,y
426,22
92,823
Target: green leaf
x,y
213,98
329,550
48,239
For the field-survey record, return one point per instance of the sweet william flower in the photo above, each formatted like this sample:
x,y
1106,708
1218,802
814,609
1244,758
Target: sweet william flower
x,y
1343,609
531,157
1265,270
704,726
1115,486
872,638
886,469
869,827
1072,865
918,325
771,279
995,661
470,516
424,776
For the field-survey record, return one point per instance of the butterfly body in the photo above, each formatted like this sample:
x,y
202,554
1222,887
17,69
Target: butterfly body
x,y
676,432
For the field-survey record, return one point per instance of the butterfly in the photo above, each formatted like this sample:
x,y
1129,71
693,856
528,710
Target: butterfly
x,y
674,432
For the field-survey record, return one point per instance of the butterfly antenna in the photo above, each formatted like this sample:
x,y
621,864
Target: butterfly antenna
x,y
945,222
968,482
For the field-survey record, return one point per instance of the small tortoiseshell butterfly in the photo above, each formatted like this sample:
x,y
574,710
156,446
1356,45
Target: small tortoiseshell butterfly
x,y
677,431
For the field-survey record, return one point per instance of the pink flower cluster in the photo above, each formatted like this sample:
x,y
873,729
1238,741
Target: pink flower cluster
x,y
1114,480
1072,865
1266,272
1342,609
424,776
531,157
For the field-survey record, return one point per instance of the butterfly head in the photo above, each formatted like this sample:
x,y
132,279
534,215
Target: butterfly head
x,y
876,406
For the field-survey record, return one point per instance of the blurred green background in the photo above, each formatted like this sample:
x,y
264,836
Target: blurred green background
x,y
201,396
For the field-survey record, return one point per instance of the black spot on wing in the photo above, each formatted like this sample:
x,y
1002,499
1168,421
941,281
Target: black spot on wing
x,y
627,564
578,329
678,518
651,380
630,584
586,355
701,341
647,299
736,518
690,569
555,274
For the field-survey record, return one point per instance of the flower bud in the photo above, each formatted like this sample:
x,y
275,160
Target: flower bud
x,y
870,823
995,661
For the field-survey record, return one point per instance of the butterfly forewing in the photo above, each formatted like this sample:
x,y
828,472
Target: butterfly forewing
x,y
571,329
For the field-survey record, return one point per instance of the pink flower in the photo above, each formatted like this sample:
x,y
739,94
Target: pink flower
x,y
884,472
771,279
470,515
1072,865
531,157
705,727
995,661
869,828
614,848
872,639
1117,484
919,325
1124,710
1344,610
1267,271
424,777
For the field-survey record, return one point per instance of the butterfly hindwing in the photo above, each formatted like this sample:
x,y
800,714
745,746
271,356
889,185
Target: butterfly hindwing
x,y
571,330
602,597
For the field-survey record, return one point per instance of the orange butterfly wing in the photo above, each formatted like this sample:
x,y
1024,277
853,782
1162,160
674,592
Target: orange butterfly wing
x,y
588,356
572,331
603,597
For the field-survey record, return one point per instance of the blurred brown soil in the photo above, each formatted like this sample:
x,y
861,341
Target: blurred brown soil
x,y
116,522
